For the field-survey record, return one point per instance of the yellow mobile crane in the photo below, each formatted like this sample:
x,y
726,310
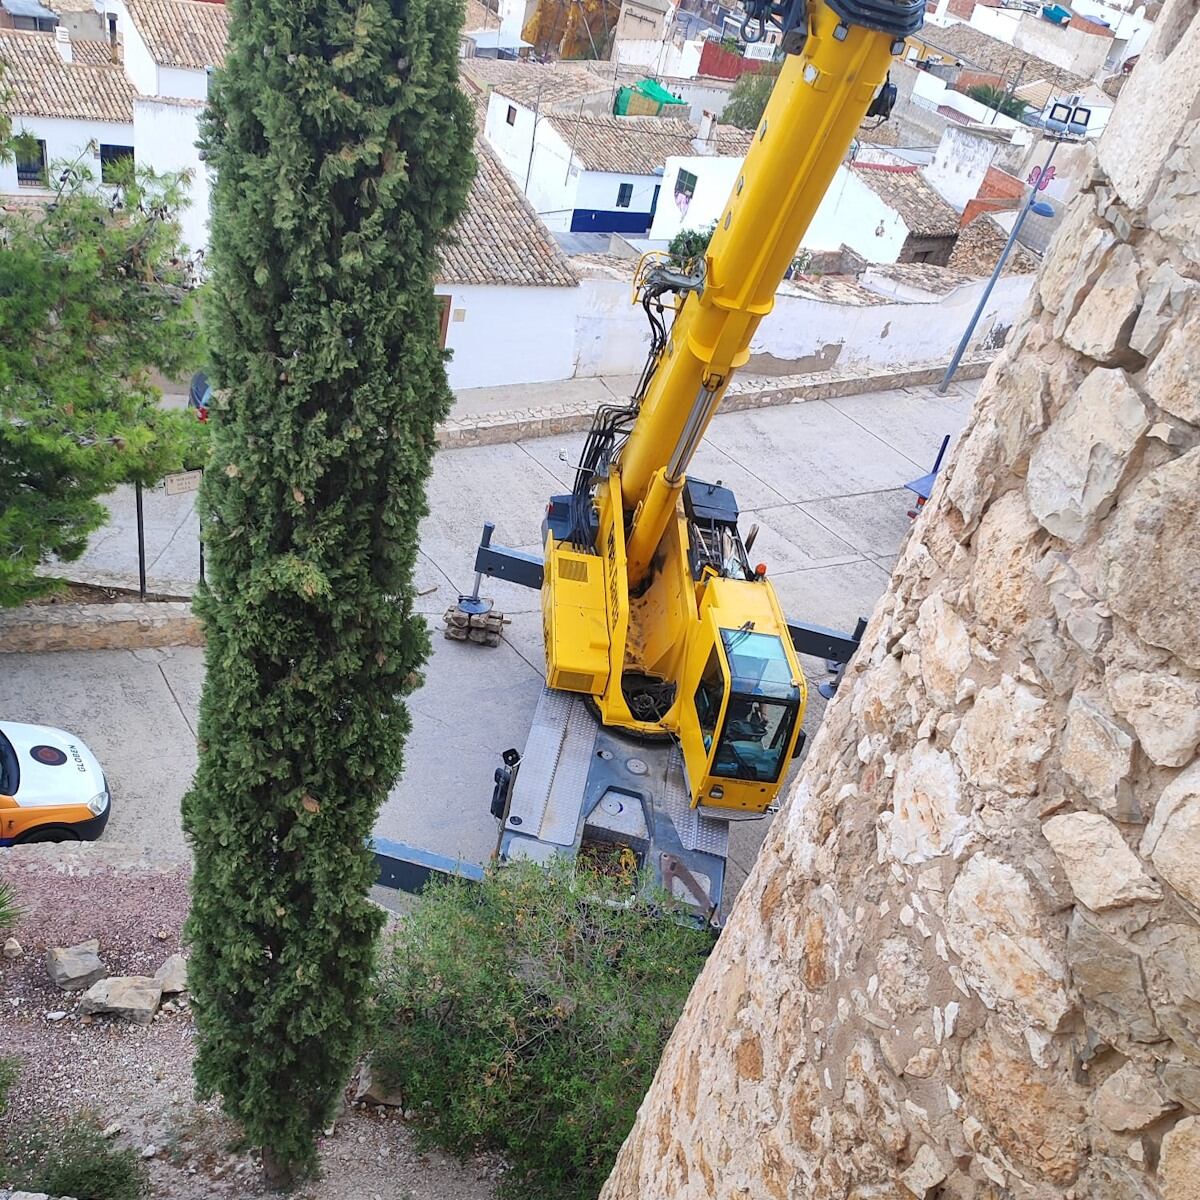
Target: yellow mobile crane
x,y
674,695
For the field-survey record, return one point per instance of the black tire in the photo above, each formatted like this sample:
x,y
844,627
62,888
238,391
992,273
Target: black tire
x,y
48,833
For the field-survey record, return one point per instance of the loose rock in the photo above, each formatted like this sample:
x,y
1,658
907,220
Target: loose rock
x,y
74,968
133,997
12,948
172,975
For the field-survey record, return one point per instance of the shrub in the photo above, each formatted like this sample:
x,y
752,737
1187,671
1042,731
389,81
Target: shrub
x,y
526,1015
76,1161
688,245
997,98
10,1071
10,910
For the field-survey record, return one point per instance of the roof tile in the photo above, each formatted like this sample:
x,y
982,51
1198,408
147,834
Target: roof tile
x,y
901,187
42,85
182,33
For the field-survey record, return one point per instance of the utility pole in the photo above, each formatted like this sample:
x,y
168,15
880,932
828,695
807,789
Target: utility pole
x,y
1031,204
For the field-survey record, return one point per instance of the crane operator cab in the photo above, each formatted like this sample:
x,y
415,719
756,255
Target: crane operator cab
x,y
739,724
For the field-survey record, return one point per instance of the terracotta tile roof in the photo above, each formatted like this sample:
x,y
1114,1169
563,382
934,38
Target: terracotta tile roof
x,y
182,33
937,281
479,16
42,85
627,145
977,49
837,289
979,246
96,54
544,84
952,114
499,239
901,187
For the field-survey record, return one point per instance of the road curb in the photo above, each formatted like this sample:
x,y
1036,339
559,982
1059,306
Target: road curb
x,y
489,429
50,627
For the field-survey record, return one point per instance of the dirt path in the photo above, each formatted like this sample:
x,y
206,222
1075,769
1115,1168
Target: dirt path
x,y
141,1077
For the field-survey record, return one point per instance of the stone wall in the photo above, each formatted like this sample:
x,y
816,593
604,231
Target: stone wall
x,y
967,962
98,627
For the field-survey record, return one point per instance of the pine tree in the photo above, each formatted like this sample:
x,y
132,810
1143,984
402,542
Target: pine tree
x,y
342,148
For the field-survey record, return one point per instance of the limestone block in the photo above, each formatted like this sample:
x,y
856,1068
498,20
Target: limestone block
x,y
1149,553
925,821
1182,1081
972,473
945,649
1101,869
1077,465
1029,1113
1166,295
1101,327
1172,839
1108,974
133,997
1130,1099
172,975
1097,756
1173,379
74,968
1075,258
1172,966
925,1172
992,924
1156,105
1004,738
1163,709
1005,591
1179,1166
1174,209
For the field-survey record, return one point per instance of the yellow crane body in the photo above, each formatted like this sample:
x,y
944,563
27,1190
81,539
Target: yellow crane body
x,y
659,632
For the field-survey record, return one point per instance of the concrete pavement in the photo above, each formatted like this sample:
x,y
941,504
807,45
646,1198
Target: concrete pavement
x,y
822,480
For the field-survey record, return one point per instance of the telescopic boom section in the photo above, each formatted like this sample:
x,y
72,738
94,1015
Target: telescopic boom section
x,y
817,105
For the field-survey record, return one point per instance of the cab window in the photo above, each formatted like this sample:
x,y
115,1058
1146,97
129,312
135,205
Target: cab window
x,y
709,695
763,706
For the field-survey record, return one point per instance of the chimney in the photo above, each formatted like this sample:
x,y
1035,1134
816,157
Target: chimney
x,y
62,43
114,51
702,143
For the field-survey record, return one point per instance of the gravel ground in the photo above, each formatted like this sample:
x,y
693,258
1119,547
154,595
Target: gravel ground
x,y
139,1077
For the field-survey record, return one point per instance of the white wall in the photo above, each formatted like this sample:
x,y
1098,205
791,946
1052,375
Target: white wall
x,y
139,66
185,85
504,335
931,92
715,177
550,180
659,58
166,136
65,141
1071,49
959,165
599,189
612,337
701,95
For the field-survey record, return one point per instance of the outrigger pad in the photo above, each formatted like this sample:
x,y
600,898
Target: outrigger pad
x,y
485,629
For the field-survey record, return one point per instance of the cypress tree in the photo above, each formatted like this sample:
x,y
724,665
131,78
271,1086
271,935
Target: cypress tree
x,y
342,148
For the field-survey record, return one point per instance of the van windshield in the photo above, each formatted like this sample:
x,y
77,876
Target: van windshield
x,y
10,770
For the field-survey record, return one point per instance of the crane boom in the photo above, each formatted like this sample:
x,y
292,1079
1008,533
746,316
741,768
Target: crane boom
x,y
816,107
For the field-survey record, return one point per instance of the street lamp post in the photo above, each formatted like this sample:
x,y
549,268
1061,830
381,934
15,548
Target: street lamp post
x,y
1032,204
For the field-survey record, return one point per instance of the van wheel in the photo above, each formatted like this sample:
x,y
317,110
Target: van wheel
x,y
48,833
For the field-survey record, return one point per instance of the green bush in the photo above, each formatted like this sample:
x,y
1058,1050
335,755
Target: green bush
x,y
689,245
998,99
76,1161
10,910
526,1015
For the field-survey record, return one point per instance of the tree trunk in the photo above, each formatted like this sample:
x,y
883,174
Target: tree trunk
x,y
967,963
278,1174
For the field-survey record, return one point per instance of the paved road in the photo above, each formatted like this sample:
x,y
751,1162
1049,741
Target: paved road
x,y
822,480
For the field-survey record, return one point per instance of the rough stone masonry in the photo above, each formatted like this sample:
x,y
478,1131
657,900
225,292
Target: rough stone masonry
x,y
967,963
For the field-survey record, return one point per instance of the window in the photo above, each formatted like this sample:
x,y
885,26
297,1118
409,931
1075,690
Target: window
x,y
31,162
110,159
708,699
624,195
763,704
511,115
685,189
443,318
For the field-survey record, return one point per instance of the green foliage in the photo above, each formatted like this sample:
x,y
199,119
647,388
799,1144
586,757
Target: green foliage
x,y
527,1015
10,910
690,245
10,1072
342,149
748,98
73,1161
92,297
998,99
